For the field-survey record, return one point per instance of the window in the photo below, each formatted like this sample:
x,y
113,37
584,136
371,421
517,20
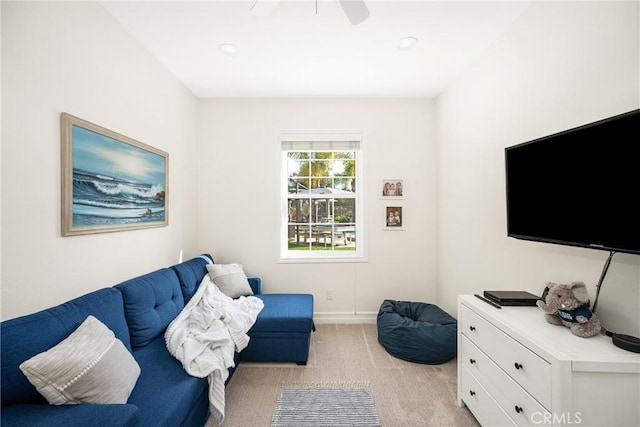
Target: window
x,y
321,202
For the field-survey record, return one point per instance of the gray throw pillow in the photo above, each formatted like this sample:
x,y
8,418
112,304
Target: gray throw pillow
x,y
89,366
231,279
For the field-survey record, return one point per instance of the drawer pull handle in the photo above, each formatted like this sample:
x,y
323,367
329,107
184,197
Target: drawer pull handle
x,y
472,361
472,328
518,365
518,409
472,393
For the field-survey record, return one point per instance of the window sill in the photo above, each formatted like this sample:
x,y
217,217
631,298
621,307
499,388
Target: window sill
x,y
324,260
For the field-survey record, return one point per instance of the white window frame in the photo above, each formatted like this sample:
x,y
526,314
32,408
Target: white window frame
x,y
332,141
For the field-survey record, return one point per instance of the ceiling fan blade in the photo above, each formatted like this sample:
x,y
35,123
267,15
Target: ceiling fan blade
x,y
356,10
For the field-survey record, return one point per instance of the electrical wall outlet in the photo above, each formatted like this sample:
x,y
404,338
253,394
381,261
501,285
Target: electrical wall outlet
x,y
330,294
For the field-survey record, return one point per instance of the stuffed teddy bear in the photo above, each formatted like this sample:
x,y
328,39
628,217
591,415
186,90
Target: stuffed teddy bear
x,y
568,305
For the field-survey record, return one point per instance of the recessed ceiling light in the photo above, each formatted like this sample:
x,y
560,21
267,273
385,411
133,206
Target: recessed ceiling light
x,y
407,43
228,49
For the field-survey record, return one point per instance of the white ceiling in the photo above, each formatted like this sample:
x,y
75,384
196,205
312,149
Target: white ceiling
x,y
286,49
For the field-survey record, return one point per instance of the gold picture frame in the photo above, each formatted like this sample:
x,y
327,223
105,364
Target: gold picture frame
x,y
110,182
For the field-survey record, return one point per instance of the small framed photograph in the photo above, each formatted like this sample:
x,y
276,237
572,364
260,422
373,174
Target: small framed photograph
x,y
392,189
393,218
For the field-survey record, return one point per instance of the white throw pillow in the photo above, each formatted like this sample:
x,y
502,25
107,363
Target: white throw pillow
x,y
89,366
230,278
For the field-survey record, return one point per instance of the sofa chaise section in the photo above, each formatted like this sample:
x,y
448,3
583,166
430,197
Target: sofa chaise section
x,y
282,331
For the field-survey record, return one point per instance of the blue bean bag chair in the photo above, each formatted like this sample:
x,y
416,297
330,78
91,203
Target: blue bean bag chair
x,y
417,332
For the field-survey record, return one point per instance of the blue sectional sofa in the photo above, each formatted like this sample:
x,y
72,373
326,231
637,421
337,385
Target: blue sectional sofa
x,y
138,312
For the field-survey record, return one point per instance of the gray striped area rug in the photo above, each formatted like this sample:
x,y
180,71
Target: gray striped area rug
x,y
333,404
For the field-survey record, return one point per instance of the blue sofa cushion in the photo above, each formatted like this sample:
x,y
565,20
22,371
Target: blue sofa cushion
x,y
87,414
190,274
285,313
165,394
417,332
26,336
151,302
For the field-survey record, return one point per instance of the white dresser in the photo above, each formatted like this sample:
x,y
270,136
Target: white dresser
x,y
516,369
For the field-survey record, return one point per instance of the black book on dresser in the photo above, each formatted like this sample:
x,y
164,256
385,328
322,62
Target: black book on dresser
x,y
512,298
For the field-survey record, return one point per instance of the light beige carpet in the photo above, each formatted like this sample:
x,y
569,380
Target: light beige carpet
x,y
405,394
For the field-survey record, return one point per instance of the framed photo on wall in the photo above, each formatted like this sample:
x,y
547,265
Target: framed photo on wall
x,y
393,218
110,182
391,189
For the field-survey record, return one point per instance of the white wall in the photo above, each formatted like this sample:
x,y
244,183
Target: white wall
x,y
239,203
563,64
73,57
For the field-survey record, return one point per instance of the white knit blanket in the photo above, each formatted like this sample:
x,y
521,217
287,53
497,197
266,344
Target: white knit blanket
x,y
207,332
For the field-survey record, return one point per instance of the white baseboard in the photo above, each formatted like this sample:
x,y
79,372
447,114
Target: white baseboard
x,y
356,318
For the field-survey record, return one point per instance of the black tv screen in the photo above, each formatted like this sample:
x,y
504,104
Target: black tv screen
x,y
580,187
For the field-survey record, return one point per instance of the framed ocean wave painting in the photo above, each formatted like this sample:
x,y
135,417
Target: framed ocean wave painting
x,y
110,182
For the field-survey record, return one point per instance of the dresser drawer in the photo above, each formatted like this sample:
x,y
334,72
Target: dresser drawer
x,y
515,401
530,371
480,402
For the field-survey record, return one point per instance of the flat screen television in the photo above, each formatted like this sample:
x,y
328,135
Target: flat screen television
x,y
579,187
